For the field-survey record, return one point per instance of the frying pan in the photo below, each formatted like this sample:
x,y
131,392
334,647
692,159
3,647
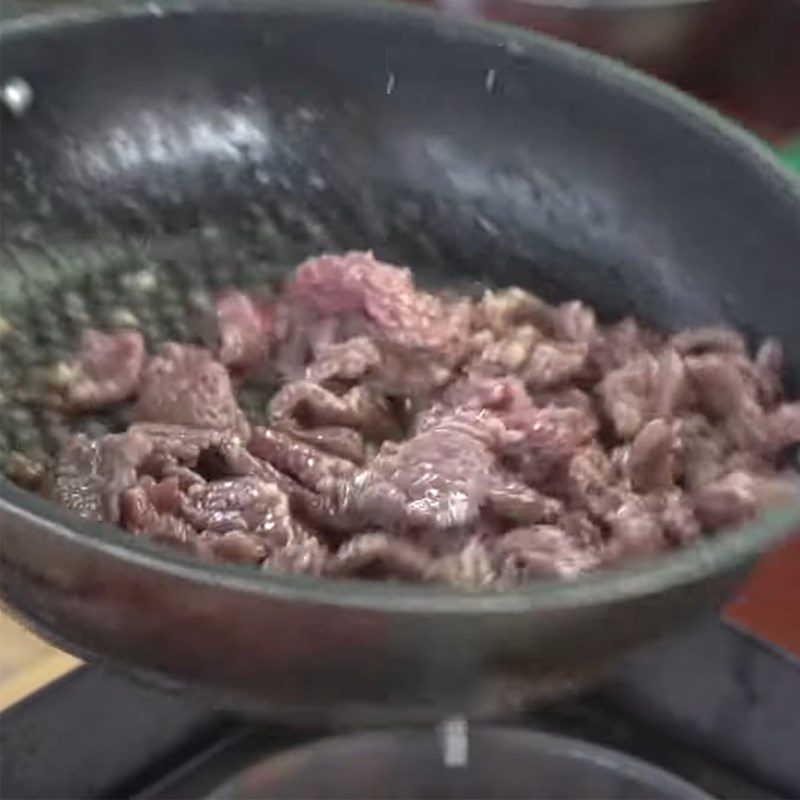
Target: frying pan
x,y
170,150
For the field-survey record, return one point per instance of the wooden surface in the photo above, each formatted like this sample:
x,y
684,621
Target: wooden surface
x,y
26,662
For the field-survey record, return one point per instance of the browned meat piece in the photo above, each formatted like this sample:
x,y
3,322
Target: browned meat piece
x,y
508,308
513,500
709,339
546,440
649,464
351,360
536,438
677,516
671,390
175,444
312,468
378,556
152,509
411,372
309,557
107,370
91,475
247,504
705,450
304,553
471,567
508,354
554,363
620,343
738,496
334,440
721,388
184,385
727,389
769,364
635,530
245,326
575,322
542,550
592,482
444,471
310,405
569,398
783,427
26,472
385,295
364,500
626,395
428,437
438,479
505,397
238,547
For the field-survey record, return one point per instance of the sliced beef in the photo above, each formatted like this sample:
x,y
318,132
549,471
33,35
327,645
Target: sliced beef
x,y
107,370
235,546
379,556
174,445
709,339
636,530
245,326
472,566
427,437
185,385
90,475
348,361
312,468
247,503
543,550
501,311
304,554
738,496
309,405
649,464
626,394
553,363
511,499
386,296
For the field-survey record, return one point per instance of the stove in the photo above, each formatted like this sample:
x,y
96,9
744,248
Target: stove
x,y
713,706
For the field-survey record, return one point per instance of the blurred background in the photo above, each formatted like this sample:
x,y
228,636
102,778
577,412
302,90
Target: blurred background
x,y
741,56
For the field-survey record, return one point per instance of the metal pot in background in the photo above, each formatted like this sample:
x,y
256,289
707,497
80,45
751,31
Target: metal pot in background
x,y
673,38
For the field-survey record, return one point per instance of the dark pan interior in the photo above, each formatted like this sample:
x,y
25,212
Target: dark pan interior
x,y
169,153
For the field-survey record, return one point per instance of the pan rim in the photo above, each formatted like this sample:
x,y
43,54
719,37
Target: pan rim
x,y
723,552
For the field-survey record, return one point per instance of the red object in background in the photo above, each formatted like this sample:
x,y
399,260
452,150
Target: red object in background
x,y
769,605
759,85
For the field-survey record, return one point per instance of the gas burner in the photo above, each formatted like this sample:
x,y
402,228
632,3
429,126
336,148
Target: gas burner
x,y
713,709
